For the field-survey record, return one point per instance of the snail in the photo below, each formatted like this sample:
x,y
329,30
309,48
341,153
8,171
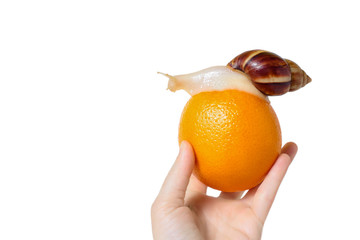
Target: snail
x,y
270,73
259,72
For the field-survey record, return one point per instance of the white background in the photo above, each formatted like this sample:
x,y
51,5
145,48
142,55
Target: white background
x,y
88,130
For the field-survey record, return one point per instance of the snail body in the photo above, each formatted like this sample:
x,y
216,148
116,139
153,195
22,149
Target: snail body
x,y
218,78
261,73
270,73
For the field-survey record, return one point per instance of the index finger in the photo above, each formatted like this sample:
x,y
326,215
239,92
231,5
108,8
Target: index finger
x,y
174,187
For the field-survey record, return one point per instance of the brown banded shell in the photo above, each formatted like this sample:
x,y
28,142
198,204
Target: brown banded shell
x,y
298,76
270,73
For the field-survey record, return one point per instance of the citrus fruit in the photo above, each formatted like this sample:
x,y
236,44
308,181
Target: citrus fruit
x,y
235,135
231,125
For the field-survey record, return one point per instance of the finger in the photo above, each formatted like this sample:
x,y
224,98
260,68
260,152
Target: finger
x,y
266,192
290,149
195,185
231,195
174,187
249,197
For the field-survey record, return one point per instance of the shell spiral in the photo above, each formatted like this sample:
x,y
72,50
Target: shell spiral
x,y
270,73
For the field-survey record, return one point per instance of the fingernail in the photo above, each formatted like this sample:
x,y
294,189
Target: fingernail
x,y
290,149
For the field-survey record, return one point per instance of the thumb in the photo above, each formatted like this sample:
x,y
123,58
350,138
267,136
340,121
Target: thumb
x,y
174,188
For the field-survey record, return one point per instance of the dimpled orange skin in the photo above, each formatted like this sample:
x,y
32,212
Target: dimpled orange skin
x,y
236,138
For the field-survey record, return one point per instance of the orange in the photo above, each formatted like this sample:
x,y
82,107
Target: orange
x,y
236,138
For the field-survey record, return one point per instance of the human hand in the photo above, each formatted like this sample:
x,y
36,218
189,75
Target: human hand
x,y
182,210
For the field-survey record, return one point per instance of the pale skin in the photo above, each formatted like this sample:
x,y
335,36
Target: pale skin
x,y
182,210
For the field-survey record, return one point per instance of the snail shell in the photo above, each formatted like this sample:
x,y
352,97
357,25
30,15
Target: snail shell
x,y
270,73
